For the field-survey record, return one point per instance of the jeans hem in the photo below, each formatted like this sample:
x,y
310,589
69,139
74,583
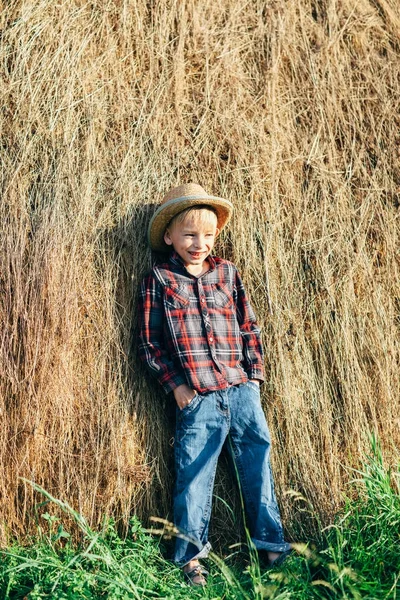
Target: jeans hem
x,y
204,552
271,546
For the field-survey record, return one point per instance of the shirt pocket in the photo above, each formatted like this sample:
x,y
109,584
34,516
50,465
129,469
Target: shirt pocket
x,y
176,297
222,295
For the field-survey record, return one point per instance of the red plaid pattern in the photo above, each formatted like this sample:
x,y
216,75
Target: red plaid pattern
x,y
200,331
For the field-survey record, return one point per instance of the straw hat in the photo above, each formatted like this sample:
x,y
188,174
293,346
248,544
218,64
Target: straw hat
x,y
178,199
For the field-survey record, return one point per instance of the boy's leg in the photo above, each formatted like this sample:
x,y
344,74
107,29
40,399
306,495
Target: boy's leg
x,y
250,448
201,430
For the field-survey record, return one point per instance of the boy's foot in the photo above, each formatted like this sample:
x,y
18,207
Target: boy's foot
x,y
276,559
195,574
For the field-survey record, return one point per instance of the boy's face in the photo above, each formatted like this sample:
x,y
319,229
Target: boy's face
x,y
192,239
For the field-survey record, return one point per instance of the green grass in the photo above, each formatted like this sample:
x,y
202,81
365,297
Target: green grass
x,y
359,557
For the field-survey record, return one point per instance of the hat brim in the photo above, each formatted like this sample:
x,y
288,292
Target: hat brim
x,y
168,210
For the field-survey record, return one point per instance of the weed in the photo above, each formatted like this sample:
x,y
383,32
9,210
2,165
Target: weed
x,y
359,558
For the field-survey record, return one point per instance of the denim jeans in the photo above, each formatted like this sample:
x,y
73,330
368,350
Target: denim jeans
x,y
203,426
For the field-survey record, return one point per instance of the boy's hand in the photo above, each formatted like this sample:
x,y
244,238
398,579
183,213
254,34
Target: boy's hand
x,y
257,381
183,395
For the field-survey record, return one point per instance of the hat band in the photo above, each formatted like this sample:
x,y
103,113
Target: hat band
x,y
197,197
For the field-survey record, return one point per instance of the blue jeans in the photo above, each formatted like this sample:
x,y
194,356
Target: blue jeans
x,y
201,430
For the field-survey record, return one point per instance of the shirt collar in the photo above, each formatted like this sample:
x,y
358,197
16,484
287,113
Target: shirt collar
x,y
176,260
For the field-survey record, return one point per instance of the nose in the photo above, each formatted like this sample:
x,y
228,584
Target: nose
x,y
199,241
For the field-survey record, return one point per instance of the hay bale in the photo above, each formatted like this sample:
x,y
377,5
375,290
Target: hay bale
x,y
288,109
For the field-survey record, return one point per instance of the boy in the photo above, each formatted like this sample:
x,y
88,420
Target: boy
x,y
199,338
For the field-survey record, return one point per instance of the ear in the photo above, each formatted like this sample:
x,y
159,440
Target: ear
x,y
217,232
167,238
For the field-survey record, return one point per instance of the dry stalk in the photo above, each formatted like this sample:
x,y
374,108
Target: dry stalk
x,y
291,109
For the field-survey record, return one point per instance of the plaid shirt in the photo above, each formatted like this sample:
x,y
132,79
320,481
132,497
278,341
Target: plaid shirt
x,y
199,331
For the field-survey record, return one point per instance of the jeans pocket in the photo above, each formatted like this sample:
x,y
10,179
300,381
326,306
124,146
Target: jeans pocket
x,y
253,386
193,404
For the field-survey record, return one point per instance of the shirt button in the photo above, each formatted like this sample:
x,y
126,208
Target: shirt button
x,y
211,339
203,299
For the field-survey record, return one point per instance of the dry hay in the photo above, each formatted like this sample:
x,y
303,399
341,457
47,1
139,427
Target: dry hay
x,y
290,109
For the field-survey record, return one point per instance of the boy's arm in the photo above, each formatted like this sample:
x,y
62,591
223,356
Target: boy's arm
x,y
251,334
151,345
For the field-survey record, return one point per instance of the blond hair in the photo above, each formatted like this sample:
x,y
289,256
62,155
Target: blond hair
x,y
202,214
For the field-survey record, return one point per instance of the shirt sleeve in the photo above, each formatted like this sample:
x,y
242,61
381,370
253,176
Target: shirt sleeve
x,y
251,333
151,337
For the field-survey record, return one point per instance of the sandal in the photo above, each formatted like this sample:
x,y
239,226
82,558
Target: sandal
x,y
282,558
196,576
